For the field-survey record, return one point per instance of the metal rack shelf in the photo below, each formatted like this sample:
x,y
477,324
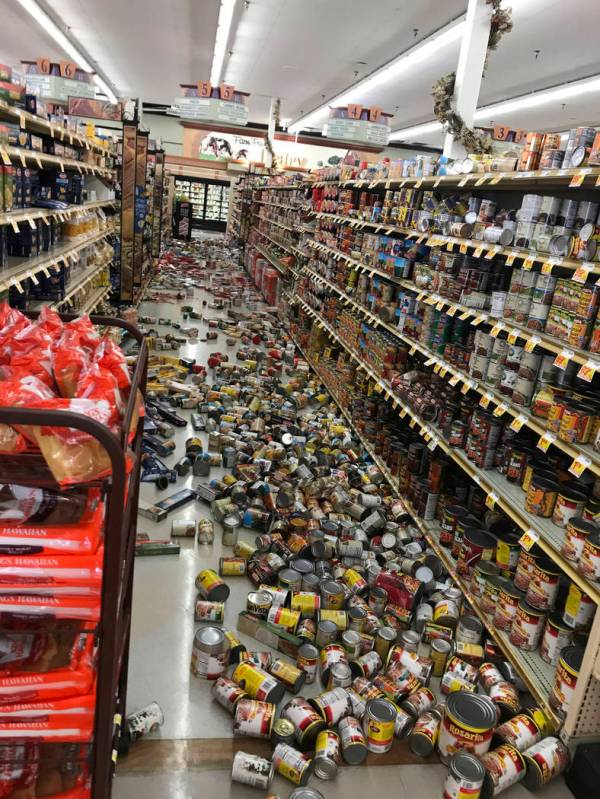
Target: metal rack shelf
x,y
26,214
41,160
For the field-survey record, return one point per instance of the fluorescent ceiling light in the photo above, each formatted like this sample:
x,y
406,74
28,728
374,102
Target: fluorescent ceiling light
x,y
55,32
391,71
221,39
494,111
105,88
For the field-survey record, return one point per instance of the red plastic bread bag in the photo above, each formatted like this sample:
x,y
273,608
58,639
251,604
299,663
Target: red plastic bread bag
x,y
19,392
69,359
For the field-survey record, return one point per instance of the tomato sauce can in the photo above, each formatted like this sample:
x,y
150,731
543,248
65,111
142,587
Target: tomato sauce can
x,y
589,564
258,683
506,607
481,573
418,702
527,627
253,718
521,732
565,679
525,567
332,705
338,617
425,732
378,725
506,698
354,746
307,660
579,609
504,766
367,665
307,722
327,755
292,764
543,586
420,667
465,777
252,770
467,725
367,690
569,504
545,760
489,674
227,693
576,533
330,654
291,676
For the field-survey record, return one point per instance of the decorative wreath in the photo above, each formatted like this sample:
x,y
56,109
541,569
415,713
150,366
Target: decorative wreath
x,y
443,89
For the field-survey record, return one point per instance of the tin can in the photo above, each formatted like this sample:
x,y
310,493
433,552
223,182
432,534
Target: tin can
x,y
355,581
358,703
143,721
465,777
306,603
307,722
506,607
232,567
327,755
467,725
332,595
292,677
418,702
569,504
378,599
258,684
504,766
236,646
338,617
521,732
283,617
291,764
460,667
367,665
544,760
469,629
254,719
481,573
425,732
440,650
420,667
378,725
227,693
306,660
543,586
489,674
206,531
209,611
506,697
259,603
576,533
589,565
527,627
307,630
210,585
327,633
579,609
452,682
283,732
565,679
384,639
332,705
340,676
354,747
252,770
183,528
525,567
445,612
210,653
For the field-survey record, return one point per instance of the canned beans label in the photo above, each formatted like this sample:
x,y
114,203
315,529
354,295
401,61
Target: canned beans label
x,y
300,713
328,745
520,731
350,731
209,666
456,788
505,766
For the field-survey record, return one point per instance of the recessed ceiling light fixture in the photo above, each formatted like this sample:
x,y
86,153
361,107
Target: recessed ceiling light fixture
x,y
221,38
495,111
63,41
390,71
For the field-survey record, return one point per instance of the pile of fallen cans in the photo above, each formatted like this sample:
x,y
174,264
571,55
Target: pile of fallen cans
x,y
346,588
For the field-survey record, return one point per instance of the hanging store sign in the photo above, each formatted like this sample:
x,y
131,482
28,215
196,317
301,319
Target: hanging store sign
x,y
202,102
57,80
95,109
358,125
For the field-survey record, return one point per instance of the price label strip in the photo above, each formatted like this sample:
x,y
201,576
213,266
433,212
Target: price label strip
x,y
562,359
546,440
580,464
518,422
529,538
491,500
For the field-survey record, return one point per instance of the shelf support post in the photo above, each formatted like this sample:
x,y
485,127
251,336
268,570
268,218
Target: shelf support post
x,y
469,71
271,132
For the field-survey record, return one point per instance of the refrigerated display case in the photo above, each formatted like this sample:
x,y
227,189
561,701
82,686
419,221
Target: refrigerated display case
x,y
209,200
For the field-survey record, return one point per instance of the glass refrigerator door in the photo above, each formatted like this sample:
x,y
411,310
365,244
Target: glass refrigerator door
x,y
224,203
182,188
213,202
197,192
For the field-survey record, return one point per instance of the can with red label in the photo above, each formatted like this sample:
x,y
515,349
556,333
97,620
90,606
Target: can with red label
x,y
576,534
489,675
418,702
506,606
307,722
527,627
307,659
465,777
544,760
327,755
424,735
557,635
451,682
467,725
210,585
227,693
521,732
504,767
254,719
332,705
543,586
291,764
354,747
506,698
378,725
260,659
565,679
421,667
367,665
589,565
525,567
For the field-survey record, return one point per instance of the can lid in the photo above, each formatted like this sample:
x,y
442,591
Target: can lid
x,y
467,766
572,656
325,768
308,651
306,793
211,637
473,710
384,710
283,728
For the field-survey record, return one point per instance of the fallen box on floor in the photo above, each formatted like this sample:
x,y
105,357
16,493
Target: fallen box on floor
x,y
269,634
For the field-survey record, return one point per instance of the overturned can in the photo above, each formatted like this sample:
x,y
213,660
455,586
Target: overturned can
x,y
354,746
227,693
252,770
254,718
333,705
209,611
307,722
424,735
307,660
291,764
465,777
258,684
206,531
327,755
210,585
292,677
210,653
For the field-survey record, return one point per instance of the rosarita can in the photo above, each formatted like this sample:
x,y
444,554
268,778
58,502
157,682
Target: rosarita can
x,y
504,767
378,725
254,719
521,732
291,764
307,722
425,732
467,725
565,679
354,747
333,705
545,760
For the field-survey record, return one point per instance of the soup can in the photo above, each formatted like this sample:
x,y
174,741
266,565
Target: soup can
x,y
378,725
489,674
420,667
557,635
330,654
307,660
543,586
252,770
283,732
327,632
210,585
525,567
506,698
283,617
469,629
565,679
253,718
589,564
306,603
467,725
425,732
367,665
354,746
569,504
258,683
292,764
521,732
545,760
332,595
227,693
259,603
506,607
307,722
465,777
527,627
210,653
439,652
332,705
579,609
292,677
418,702
503,767
209,611
576,533
327,755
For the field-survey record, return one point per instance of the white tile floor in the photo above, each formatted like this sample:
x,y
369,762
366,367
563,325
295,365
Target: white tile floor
x,y
162,633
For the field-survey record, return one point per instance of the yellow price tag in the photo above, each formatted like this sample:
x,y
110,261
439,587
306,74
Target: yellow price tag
x,y
513,335
438,181
463,248
510,258
5,157
496,179
464,315
14,225
500,410
466,387
477,321
492,252
545,441
412,350
588,370
547,268
454,380
579,465
450,246
477,252
412,422
32,224
529,262
597,181
485,400
562,359
22,158
464,181
403,412
432,444
494,332
518,422
580,275
491,500
532,343
452,310
528,539
579,177
480,181
443,371
378,388
440,305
